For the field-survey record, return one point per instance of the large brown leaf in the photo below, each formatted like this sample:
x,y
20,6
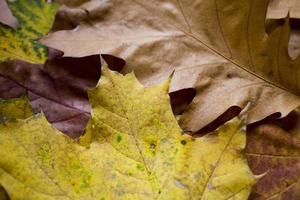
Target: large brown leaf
x,y
273,147
218,47
58,88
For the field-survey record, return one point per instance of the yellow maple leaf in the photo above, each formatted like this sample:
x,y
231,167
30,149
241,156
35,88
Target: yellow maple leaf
x,y
133,149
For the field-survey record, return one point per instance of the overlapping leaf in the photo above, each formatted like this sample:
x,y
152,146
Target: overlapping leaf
x,y
279,9
35,19
6,16
11,110
58,88
15,109
218,47
135,151
274,149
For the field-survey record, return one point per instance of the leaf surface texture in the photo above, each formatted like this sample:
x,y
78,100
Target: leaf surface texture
x,y
133,149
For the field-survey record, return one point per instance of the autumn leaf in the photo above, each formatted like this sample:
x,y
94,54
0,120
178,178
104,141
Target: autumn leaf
x,y
133,149
219,48
294,43
58,88
15,109
76,12
35,20
274,148
3,194
10,110
279,9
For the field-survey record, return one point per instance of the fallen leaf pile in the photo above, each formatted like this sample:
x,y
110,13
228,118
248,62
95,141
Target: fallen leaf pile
x,y
215,47
149,99
135,150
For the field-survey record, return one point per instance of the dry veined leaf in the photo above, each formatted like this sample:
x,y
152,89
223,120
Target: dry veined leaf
x,y
35,18
274,149
206,42
6,16
279,9
72,13
133,149
58,88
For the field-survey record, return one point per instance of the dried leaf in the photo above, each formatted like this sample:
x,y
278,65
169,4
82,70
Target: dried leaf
x,y
273,150
6,16
58,88
36,18
135,151
72,13
220,48
279,9
294,43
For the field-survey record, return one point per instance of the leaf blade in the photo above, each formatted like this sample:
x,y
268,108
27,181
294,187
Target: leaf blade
x,y
150,159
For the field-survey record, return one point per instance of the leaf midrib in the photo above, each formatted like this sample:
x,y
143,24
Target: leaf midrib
x,y
133,130
212,49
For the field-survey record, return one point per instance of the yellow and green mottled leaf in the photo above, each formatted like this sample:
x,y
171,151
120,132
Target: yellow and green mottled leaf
x,y
35,18
15,109
133,149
